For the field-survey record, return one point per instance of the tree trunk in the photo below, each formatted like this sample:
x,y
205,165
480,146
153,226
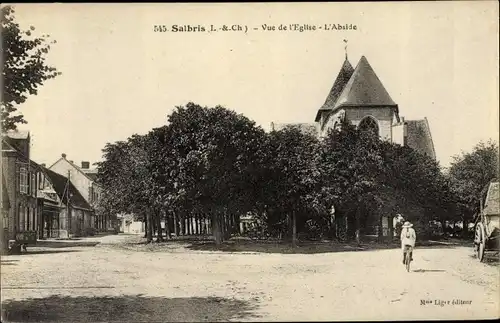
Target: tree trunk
x,y
159,238
238,227
357,232
176,230
145,220
294,229
149,231
182,226
167,226
154,224
217,229
225,229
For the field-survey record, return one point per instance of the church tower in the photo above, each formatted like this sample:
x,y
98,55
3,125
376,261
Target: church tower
x,y
359,95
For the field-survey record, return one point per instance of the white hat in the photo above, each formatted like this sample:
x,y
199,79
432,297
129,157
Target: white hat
x,y
407,225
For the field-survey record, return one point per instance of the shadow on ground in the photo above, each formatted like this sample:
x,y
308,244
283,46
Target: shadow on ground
x,y
45,252
429,271
239,244
125,309
65,243
490,260
285,248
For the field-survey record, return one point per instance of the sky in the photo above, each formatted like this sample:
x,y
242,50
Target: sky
x,y
119,77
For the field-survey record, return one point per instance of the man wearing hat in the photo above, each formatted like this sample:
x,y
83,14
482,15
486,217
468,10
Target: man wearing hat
x,y
408,238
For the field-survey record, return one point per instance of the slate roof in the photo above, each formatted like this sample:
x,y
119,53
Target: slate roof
x,y
309,128
343,77
17,134
7,146
92,173
59,184
419,137
364,88
492,203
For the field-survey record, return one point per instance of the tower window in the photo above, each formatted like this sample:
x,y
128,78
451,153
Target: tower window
x,y
369,124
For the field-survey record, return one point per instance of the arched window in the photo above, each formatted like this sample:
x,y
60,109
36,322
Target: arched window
x,y
369,124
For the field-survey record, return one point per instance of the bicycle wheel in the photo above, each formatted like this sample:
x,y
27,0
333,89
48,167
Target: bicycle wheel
x,y
407,260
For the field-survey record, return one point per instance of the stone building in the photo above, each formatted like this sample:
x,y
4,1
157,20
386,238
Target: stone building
x,y
359,96
65,213
20,188
84,179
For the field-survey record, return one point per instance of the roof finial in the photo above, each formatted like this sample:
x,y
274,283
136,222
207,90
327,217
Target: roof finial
x,y
345,48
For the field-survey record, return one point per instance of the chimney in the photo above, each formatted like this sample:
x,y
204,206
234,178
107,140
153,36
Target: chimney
x,y
63,155
43,165
85,165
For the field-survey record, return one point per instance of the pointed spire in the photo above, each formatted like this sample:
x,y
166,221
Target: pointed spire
x,y
340,82
364,89
345,48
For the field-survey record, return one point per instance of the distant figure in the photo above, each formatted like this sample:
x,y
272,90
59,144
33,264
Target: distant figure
x,y
408,239
397,224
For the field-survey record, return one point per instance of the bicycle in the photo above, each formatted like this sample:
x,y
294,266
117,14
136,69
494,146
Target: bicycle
x,y
408,250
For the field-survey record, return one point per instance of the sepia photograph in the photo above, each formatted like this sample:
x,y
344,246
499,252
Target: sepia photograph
x,y
250,162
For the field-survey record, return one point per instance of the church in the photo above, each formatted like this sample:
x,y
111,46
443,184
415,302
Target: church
x,y
359,96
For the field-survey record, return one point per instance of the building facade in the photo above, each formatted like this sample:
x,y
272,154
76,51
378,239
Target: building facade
x,y
84,180
65,212
20,188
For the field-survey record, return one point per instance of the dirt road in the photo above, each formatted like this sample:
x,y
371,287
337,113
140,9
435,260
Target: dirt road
x,y
107,283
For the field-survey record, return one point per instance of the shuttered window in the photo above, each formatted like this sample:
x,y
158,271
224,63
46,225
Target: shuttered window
x,y
23,180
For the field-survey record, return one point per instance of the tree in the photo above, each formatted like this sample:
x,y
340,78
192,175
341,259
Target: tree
x,y
24,67
208,158
293,173
126,179
471,172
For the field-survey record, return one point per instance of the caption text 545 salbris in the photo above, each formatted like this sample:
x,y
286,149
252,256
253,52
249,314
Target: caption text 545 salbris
x,y
263,27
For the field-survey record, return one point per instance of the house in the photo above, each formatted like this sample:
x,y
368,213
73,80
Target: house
x,y
128,224
5,205
358,95
65,212
20,189
84,180
52,207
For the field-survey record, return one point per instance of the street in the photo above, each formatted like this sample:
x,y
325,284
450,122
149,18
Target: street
x,y
109,282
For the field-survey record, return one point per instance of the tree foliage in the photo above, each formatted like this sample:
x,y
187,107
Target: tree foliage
x,y
24,67
471,172
215,164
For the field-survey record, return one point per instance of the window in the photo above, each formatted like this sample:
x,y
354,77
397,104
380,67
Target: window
x,y
33,184
35,219
91,194
41,185
369,124
23,181
28,219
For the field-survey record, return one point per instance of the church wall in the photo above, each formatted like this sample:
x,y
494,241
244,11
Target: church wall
x,y
398,134
383,116
330,122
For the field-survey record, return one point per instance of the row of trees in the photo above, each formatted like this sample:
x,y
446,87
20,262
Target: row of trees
x,y
208,166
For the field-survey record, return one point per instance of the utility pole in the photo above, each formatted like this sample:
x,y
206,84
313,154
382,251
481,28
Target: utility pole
x,y
67,204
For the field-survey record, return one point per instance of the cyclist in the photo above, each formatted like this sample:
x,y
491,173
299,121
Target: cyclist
x,y
408,238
